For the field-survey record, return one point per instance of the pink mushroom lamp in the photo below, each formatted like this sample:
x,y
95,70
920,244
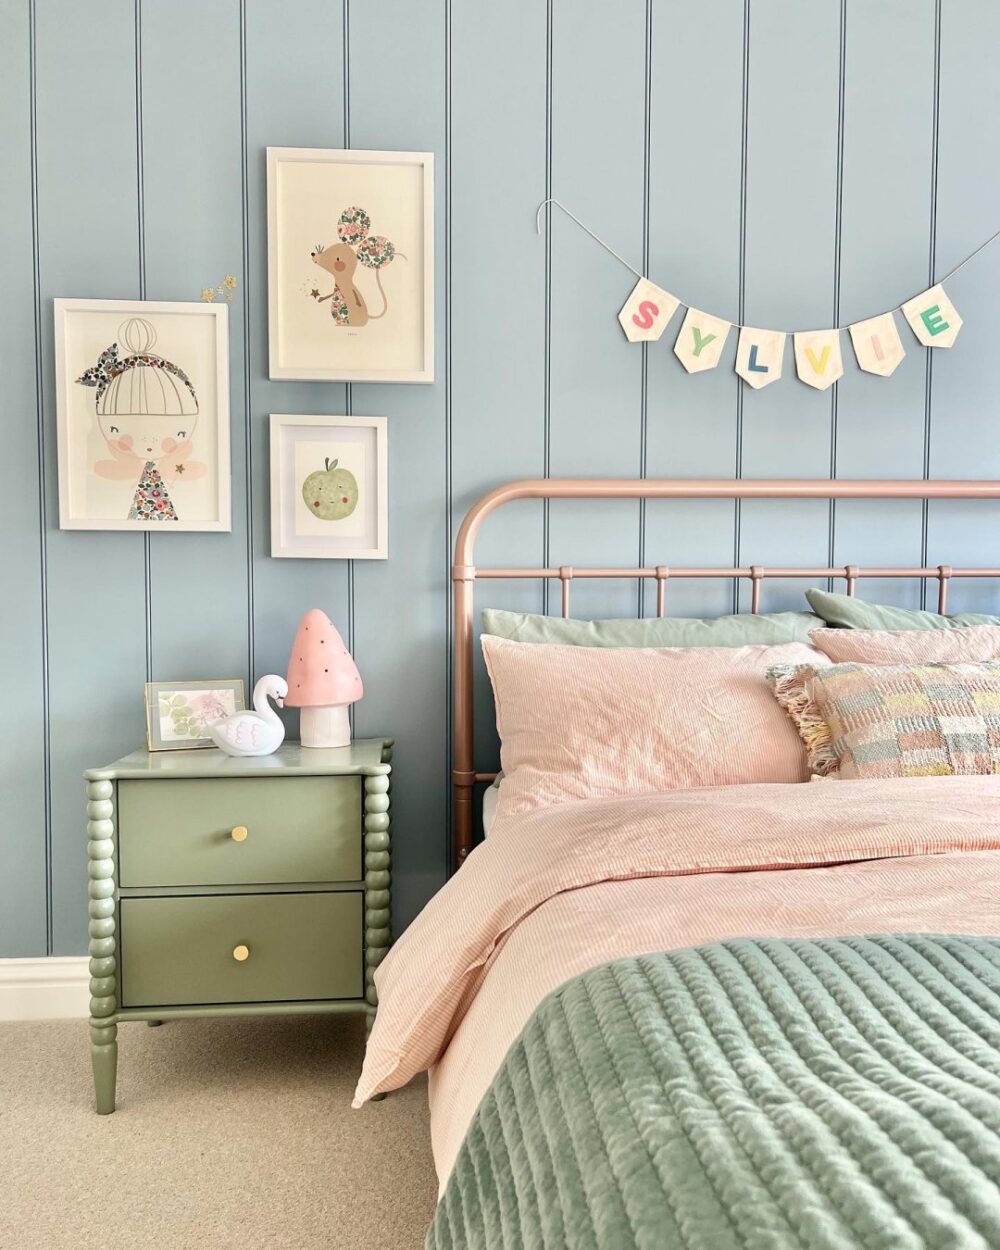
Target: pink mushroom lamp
x,y
323,681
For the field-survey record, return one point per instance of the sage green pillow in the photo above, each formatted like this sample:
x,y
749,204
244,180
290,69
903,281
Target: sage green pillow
x,y
666,631
844,612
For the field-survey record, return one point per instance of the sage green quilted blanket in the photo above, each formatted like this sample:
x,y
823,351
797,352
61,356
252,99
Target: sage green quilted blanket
x,y
751,1095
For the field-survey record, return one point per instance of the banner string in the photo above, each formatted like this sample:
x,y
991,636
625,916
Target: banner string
x,y
631,268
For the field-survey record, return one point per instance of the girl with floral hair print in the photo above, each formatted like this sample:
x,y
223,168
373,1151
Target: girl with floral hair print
x,y
347,304
147,411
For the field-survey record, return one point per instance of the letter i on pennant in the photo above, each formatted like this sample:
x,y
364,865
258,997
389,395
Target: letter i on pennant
x,y
647,311
701,340
818,360
877,344
759,356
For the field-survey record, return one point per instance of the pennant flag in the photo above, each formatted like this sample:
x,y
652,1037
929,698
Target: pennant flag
x,y
933,318
877,344
647,311
759,356
818,361
701,340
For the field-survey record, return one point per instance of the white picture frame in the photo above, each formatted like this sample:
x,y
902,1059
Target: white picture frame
x,y
369,212
129,370
345,459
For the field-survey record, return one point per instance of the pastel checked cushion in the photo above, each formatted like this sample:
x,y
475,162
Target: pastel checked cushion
x,y
910,720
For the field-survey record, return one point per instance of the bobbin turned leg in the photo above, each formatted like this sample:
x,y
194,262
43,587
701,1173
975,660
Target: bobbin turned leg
x,y
103,980
104,1059
377,887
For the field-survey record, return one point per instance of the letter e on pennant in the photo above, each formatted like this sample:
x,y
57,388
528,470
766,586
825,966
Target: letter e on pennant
x,y
701,340
877,344
933,318
818,360
759,356
647,311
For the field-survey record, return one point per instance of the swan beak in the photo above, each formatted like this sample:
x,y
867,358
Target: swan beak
x,y
280,702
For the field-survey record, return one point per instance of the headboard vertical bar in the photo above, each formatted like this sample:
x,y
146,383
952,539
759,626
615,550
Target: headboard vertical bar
x,y
756,573
662,573
944,572
565,577
851,573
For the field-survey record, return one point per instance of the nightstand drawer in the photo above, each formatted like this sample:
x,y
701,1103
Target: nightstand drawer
x,y
251,831
241,948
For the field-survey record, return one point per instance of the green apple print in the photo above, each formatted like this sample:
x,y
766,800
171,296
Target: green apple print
x,y
330,493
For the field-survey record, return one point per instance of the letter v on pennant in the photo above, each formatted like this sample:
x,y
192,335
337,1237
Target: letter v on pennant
x,y
818,360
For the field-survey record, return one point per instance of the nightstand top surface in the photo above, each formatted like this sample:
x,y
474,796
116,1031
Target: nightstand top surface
x,y
291,759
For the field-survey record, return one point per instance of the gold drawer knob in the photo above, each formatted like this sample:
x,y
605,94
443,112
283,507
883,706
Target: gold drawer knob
x,y
241,952
239,833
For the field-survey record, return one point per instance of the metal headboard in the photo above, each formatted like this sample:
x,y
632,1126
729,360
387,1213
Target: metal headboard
x,y
464,572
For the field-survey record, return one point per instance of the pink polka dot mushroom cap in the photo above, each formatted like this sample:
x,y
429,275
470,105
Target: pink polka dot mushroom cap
x,y
321,670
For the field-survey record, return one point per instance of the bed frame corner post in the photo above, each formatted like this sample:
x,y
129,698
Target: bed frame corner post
x,y
463,773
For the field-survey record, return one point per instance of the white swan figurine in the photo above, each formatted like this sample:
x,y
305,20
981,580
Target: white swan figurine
x,y
258,732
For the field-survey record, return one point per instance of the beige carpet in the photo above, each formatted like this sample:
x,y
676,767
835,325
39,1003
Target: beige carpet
x,y
228,1134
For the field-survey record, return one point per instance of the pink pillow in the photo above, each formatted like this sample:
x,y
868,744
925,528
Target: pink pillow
x,y
596,722
970,645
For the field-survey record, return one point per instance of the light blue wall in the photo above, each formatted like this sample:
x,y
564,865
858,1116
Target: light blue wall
x,y
781,162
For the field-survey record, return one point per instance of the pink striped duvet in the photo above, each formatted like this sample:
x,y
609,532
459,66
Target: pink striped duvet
x,y
559,890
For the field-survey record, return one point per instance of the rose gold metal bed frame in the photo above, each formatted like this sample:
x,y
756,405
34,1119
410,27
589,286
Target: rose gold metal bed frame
x,y
464,572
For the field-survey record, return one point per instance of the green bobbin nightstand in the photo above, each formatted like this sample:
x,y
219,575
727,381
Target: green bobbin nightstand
x,y
235,886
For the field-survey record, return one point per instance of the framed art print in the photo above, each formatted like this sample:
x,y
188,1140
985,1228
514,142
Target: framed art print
x,y
142,404
178,713
328,488
350,251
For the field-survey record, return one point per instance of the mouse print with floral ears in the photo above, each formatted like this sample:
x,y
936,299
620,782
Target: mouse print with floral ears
x,y
347,304
147,411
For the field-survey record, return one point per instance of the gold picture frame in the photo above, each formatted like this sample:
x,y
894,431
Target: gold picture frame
x,y
173,716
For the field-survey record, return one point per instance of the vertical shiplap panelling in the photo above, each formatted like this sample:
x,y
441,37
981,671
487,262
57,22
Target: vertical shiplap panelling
x,y
22,626
598,140
966,408
294,98
192,208
397,98
790,269
695,197
88,224
885,237
498,158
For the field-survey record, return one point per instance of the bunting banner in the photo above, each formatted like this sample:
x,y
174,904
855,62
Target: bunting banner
x,y
702,337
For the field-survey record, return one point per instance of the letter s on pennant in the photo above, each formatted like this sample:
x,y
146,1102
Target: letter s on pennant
x,y
647,310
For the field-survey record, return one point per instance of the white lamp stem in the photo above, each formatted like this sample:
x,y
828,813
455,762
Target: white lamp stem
x,y
326,726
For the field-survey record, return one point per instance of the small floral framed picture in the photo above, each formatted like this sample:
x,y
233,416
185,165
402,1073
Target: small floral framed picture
x,y
329,482
178,713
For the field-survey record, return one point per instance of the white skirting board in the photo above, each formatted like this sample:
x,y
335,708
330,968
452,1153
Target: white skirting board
x,y
56,988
